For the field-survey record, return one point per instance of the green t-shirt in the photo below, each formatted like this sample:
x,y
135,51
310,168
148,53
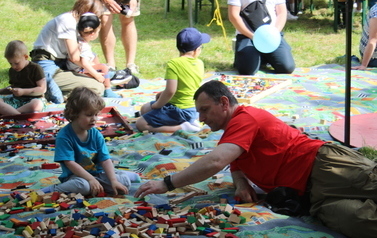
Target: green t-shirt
x,y
189,72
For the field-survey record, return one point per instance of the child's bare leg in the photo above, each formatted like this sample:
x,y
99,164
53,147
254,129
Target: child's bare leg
x,y
34,105
142,125
6,109
145,108
106,83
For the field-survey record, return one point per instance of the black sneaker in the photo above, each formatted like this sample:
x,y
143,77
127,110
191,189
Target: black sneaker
x,y
121,77
134,82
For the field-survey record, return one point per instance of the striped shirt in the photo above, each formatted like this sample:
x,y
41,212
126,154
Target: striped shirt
x,y
365,35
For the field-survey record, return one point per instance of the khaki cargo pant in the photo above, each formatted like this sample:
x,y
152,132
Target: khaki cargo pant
x,y
344,191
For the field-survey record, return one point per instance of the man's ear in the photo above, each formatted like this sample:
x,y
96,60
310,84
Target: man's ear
x,y
224,101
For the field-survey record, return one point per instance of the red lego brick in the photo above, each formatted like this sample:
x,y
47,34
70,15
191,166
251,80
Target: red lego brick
x,y
211,234
92,206
50,166
55,196
237,212
64,206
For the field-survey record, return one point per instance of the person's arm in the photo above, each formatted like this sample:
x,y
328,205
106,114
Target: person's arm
x,y
237,22
202,169
73,51
371,45
88,67
167,94
36,91
281,16
6,91
79,171
115,184
243,188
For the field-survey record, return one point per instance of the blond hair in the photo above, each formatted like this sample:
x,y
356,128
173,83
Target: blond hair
x,y
82,6
15,49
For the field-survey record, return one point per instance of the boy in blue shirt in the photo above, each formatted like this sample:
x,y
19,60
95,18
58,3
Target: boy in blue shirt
x,y
174,108
82,152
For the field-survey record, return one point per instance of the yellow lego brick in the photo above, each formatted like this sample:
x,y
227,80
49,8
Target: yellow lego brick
x,y
29,230
159,230
38,206
86,203
134,236
202,211
55,205
1,203
29,204
34,196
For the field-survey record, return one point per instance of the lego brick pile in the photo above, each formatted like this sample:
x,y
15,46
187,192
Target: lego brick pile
x,y
43,127
142,220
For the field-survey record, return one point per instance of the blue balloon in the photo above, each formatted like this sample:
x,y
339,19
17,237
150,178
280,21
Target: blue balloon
x,y
266,38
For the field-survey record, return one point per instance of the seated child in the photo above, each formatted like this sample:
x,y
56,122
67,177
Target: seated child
x,y
27,82
81,150
174,108
88,28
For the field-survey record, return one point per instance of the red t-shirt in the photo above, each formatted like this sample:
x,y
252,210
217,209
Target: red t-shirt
x,y
275,153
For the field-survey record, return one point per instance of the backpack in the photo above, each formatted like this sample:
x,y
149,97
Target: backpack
x,y
133,83
286,201
256,14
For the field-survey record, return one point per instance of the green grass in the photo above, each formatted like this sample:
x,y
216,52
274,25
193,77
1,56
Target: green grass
x,y
312,38
369,152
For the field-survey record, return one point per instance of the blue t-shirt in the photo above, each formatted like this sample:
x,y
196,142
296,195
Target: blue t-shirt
x,y
88,154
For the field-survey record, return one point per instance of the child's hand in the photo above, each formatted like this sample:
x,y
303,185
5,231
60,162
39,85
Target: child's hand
x,y
18,92
118,186
99,77
158,95
360,67
95,187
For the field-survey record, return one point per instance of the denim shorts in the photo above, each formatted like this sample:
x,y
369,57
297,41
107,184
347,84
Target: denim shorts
x,y
170,115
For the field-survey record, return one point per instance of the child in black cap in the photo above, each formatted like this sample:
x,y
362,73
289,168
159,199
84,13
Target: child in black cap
x,y
88,28
174,108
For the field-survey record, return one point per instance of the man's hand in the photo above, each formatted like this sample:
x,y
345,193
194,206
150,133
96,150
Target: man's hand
x,y
151,187
246,194
243,189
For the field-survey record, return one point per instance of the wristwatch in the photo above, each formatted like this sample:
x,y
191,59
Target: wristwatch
x,y
168,183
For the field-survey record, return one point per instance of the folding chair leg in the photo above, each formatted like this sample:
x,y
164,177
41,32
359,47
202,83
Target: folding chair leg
x,y
336,15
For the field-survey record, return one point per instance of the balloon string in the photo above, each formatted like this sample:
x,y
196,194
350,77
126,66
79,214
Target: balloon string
x,y
219,22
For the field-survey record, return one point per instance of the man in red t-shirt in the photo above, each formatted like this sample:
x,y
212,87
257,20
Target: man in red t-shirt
x,y
264,150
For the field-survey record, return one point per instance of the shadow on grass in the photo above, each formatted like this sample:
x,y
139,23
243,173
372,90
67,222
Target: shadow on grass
x,y
218,65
